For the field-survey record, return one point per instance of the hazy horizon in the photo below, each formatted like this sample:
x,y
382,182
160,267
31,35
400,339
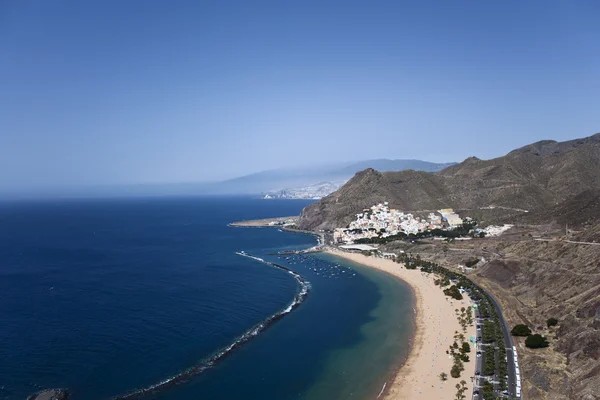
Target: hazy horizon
x,y
167,188
111,94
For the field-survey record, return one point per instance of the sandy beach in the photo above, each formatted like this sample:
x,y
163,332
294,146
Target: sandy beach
x,y
436,324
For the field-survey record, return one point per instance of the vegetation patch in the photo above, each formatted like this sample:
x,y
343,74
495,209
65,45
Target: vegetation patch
x,y
536,341
471,263
467,229
521,330
453,292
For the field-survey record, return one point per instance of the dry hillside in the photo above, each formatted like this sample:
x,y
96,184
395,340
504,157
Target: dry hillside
x,y
536,178
537,270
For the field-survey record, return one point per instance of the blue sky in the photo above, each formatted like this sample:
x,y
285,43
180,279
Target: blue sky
x,y
116,92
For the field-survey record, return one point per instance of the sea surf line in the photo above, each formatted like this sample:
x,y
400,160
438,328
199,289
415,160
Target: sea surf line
x,y
222,354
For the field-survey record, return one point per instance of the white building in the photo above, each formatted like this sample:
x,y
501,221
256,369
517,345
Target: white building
x,y
451,217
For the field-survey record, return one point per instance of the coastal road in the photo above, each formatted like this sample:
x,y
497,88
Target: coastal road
x,y
566,241
509,343
478,360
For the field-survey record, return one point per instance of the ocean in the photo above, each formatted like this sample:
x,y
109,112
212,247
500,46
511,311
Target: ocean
x,y
147,298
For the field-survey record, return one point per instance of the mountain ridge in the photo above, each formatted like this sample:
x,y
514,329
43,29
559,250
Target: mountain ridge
x,y
533,177
277,179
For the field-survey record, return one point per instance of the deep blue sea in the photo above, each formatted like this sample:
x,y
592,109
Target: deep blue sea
x,y
106,297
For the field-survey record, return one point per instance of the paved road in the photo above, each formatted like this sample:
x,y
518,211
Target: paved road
x,y
478,360
508,342
566,241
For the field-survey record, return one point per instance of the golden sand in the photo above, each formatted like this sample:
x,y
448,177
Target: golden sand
x,y
436,324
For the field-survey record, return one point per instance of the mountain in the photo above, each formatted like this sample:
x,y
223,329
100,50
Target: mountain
x,y
383,164
258,183
547,266
536,178
279,179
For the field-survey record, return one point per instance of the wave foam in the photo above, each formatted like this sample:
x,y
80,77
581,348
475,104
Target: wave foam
x,y
252,332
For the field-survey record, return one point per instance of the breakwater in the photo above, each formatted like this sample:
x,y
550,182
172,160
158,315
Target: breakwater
x,y
186,375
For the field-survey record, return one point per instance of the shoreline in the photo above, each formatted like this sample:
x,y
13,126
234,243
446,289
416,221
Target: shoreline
x,y
435,323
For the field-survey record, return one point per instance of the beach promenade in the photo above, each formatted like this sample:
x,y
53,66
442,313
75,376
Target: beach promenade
x,y
436,324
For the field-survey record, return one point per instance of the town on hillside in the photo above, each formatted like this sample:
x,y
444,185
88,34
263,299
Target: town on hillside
x,y
380,224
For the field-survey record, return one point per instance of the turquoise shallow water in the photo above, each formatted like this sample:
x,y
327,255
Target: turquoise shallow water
x,y
360,371
106,297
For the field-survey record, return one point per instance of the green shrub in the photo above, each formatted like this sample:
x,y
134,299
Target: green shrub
x,y
536,341
453,292
489,332
455,371
489,362
465,347
472,262
487,390
551,322
521,330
